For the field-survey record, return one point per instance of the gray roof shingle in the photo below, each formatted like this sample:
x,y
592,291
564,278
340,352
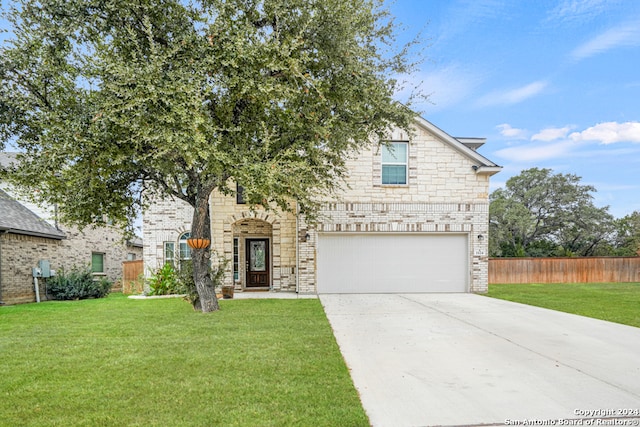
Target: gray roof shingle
x,y
16,218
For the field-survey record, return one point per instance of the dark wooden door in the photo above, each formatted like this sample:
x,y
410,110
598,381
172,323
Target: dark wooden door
x,y
257,262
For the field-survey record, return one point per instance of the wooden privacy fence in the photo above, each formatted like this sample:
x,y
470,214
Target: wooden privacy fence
x,y
564,270
132,280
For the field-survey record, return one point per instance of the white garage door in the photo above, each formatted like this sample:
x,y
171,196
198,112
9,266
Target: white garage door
x,y
392,263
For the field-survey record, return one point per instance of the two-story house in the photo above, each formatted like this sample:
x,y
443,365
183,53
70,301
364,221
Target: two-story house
x,y
413,217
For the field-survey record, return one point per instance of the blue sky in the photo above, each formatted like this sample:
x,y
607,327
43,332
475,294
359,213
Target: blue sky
x,y
549,83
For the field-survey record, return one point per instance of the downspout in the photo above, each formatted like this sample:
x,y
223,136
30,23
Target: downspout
x,y
297,248
4,233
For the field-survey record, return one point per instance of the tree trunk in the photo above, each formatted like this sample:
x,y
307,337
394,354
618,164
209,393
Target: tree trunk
x,y
201,258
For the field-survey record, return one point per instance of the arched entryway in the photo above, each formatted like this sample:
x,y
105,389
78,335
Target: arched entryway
x,y
252,246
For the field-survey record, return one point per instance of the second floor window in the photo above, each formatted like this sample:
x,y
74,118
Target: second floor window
x,y
395,163
240,195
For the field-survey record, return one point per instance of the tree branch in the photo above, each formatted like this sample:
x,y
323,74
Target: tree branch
x,y
24,82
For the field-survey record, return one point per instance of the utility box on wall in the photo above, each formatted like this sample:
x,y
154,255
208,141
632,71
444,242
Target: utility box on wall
x,y
43,269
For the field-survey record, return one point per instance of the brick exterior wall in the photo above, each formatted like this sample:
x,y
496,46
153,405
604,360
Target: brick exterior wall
x,y
20,253
230,220
164,221
447,218
444,194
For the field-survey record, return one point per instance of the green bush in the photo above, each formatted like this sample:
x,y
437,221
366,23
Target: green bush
x,y
164,281
78,283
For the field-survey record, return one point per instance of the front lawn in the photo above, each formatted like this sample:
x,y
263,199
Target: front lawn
x,y
615,302
119,362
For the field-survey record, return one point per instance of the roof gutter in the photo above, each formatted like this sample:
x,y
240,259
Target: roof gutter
x,y
3,233
297,248
4,230
487,170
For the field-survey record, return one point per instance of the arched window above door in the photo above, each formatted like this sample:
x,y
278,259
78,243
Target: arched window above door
x,y
185,250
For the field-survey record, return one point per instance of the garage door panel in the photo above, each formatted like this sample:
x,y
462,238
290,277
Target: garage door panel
x,y
388,263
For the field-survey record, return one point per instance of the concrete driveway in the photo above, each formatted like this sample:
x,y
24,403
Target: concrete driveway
x,y
464,359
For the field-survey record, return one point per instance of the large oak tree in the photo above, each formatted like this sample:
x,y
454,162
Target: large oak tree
x,y
542,213
114,100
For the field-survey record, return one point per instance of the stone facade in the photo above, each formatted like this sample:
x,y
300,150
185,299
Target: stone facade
x,y
447,192
233,224
443,195
165,221
79,246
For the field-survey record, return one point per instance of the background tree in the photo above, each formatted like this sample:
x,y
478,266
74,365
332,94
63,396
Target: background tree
x,y
114,100
627,235
540,213
588,231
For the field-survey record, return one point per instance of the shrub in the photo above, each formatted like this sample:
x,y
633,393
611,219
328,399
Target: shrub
x,y
164,281
78,283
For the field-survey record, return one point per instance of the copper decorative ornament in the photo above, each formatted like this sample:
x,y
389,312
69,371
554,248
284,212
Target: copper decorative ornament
x,y
198,243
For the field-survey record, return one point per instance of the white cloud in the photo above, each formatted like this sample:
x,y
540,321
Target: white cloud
x,y
609,133
557,143
621,36
536,152
510,132
513,96
464,14
577,10
446,86
551,134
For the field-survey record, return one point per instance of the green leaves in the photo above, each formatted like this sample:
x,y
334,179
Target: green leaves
x,y
540,213
109,98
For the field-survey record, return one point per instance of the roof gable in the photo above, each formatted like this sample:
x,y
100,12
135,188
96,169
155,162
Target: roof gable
x,y
466,147
18,219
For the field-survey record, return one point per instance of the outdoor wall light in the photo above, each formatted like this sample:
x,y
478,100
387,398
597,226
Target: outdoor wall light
x,y
480,237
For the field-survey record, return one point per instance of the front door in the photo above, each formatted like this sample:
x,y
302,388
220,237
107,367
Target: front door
x,y
257,263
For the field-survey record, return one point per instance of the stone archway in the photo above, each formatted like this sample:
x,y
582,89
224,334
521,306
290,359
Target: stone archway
x,y
246,234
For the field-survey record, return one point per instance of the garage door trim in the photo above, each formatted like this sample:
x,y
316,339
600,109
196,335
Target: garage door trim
x,y
352,262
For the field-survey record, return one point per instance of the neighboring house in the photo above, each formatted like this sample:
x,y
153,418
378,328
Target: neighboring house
x,y
30,234
413,218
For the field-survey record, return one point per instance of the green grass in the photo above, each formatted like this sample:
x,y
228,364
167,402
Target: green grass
x,y
122,362
615,302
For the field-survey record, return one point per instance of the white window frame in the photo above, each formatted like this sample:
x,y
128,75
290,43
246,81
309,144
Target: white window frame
x,y
236,259
404,162
184,251
169,247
